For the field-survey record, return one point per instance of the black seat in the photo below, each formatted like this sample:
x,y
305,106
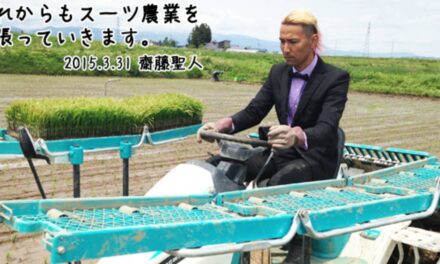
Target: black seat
x,y
27,145
341,144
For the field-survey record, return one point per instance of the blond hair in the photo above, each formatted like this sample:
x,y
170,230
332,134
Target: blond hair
x,y
304,18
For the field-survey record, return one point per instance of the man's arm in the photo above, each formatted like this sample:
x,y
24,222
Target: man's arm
x,y
331,113
257,109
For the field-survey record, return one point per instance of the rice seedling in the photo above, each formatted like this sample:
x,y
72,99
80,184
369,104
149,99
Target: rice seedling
x,y
55,118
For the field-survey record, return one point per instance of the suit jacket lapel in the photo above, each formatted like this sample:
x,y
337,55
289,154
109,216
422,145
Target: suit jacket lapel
x,y
311,87
285,90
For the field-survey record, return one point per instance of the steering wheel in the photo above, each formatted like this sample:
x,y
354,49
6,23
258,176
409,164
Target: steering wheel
x,y
209,135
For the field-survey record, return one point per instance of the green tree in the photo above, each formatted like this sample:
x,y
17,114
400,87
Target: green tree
x,y
200,35
169,42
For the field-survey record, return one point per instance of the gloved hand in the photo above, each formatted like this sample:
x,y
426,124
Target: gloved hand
x,y
223,125
284,137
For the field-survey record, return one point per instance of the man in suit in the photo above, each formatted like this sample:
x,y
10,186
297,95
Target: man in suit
x,y
309,96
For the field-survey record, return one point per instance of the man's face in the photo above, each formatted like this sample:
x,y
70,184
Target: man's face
x,y
296,46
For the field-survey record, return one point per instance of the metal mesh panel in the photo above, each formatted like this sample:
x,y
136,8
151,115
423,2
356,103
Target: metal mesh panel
x,y
422,180
315,200
83,220
377,155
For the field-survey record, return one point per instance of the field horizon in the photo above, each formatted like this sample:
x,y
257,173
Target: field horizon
x,y
403,76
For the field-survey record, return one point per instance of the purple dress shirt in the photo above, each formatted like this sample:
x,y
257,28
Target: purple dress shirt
x,y
297,88
296,91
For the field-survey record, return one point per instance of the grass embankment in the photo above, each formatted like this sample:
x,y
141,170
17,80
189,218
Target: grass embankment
x,y
88,117
377,75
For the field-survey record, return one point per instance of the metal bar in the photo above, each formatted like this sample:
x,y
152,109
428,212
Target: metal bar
x,y
402,157
242,247
350,149
380,154
133,201
306,249
76,189
3,133
364,178
98,144
371,153
357,151
410,158
47,238
76,181
125,176
401,253
275,190
365,152
410,152
37,179
305,219
220,136
393,156
416,255
4,215
10,148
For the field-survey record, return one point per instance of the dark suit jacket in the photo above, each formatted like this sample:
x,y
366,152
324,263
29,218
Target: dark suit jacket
x,y
319,111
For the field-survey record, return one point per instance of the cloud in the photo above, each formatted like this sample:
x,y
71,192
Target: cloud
x,y
411,25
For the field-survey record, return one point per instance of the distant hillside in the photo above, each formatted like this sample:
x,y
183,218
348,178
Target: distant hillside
x,y
240,40
395,76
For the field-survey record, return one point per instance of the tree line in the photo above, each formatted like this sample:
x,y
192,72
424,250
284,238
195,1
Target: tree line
x,y
199,36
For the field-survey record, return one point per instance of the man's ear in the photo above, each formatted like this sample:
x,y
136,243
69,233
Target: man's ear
x,y
315,41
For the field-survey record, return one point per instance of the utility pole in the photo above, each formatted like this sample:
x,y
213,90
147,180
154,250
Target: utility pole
x,y
118,31
367,42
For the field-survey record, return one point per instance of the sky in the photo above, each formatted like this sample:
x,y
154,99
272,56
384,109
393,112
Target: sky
x,y
396,26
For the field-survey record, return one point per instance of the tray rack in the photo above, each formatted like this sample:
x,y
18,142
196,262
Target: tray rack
x,y
77,229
